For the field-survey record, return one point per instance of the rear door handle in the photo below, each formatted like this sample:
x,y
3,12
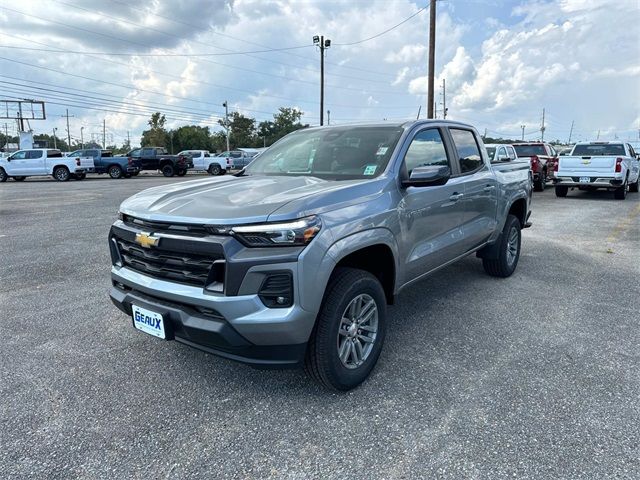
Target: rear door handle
x,y
456,196
488,188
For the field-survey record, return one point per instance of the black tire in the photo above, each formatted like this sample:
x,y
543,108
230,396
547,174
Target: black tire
x,y
508,252
621,192
539,185
3,175
80,176
168,170
135,174
633,187
61,174
115,171
214,169
182,173
322,361
19,179
561,191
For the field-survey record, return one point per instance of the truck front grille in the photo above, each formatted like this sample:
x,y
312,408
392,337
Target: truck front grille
x,y
188,268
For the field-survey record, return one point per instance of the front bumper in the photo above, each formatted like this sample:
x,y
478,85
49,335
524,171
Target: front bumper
x,y
596,182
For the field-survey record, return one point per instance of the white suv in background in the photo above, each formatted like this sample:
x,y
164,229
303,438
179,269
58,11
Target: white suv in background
x,y
44,161
205,162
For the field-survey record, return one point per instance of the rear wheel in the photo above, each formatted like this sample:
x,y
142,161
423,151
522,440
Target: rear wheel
x,y
561,191
80,176
182,173
633,187
167,170
61,174
539,185
508,250
3,175
115,171
215,169
621,192
349,332
19,179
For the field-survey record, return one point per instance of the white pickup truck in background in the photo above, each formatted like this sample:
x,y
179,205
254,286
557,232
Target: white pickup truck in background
x,y
203,161
593,165
44,161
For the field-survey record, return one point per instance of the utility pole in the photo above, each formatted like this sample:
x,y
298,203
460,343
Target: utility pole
x,y
6,135
522,127
20,120
419,109
328,117
432,56
485,133
104,133
570,132
444,99
598,137
68,131
55,145
226,121
542,127
128,141
82,137
323,44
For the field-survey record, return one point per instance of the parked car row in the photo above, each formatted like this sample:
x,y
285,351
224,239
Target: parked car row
x,y
44,161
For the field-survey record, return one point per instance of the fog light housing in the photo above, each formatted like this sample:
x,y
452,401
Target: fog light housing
x,y
276,290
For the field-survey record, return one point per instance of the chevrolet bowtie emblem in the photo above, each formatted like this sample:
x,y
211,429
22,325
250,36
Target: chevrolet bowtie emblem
x,y
586,162
147,240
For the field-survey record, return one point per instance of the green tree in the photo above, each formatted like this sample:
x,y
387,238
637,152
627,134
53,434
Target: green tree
x,y
287,120
191,137
243,130
157,135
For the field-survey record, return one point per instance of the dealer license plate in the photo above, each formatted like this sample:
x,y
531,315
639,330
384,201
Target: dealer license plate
x,y
148,321
585,179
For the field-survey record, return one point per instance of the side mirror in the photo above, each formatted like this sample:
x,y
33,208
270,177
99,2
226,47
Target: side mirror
x,y
429,176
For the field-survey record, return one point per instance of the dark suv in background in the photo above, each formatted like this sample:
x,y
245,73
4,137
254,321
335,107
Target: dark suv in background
x,y
157,158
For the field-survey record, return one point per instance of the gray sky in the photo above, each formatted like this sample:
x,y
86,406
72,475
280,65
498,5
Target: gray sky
x,y
503,62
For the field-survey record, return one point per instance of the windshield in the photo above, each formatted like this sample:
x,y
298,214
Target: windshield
x,y
598,149
529,150
337,153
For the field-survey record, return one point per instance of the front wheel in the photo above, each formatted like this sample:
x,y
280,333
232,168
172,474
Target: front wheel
x,y
508,250
562,191
167,170
3,175
19,179
61,174
349,332
115,171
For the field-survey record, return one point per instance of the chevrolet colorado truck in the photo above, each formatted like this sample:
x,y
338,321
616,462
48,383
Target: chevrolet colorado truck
x,y
157,158
593,165
44,161
293,260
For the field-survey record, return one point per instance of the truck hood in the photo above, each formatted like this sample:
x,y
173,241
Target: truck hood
x,y
251,199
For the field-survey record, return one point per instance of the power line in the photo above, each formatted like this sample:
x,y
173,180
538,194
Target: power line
x,y
383,32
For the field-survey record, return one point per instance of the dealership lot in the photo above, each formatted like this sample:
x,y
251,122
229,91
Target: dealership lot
x,y
529,377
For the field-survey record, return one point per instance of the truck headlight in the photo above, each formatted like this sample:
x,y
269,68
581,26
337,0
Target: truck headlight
x,y
295,233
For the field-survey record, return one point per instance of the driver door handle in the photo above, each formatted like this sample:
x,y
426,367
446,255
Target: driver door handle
x,y
488,188
456,196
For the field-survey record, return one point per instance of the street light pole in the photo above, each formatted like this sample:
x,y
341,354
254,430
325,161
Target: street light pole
x,y
432,57
55,145
82,137
323,44
226,121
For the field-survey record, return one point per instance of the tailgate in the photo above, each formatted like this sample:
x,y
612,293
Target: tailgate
x,y
592,166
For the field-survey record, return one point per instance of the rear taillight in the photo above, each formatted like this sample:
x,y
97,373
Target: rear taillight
x,y
619,165
534,163
78,162
130,161
556,164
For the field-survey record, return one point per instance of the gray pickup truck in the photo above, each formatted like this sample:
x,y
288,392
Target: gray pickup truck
x,y
293,260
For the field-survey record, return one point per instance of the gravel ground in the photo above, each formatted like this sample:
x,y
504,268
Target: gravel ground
x,y
536,376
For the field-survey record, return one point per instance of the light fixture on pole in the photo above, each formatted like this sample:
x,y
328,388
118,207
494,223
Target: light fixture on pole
x,y
323,43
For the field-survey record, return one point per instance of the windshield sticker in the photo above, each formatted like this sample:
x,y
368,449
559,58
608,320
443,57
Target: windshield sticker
x,y
382,150
370,169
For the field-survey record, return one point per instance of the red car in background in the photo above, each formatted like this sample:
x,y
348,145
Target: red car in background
x,y
542,157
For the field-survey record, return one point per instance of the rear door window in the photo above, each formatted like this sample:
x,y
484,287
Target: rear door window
x,y
512,152
33,154
426,149
148,152
468,150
